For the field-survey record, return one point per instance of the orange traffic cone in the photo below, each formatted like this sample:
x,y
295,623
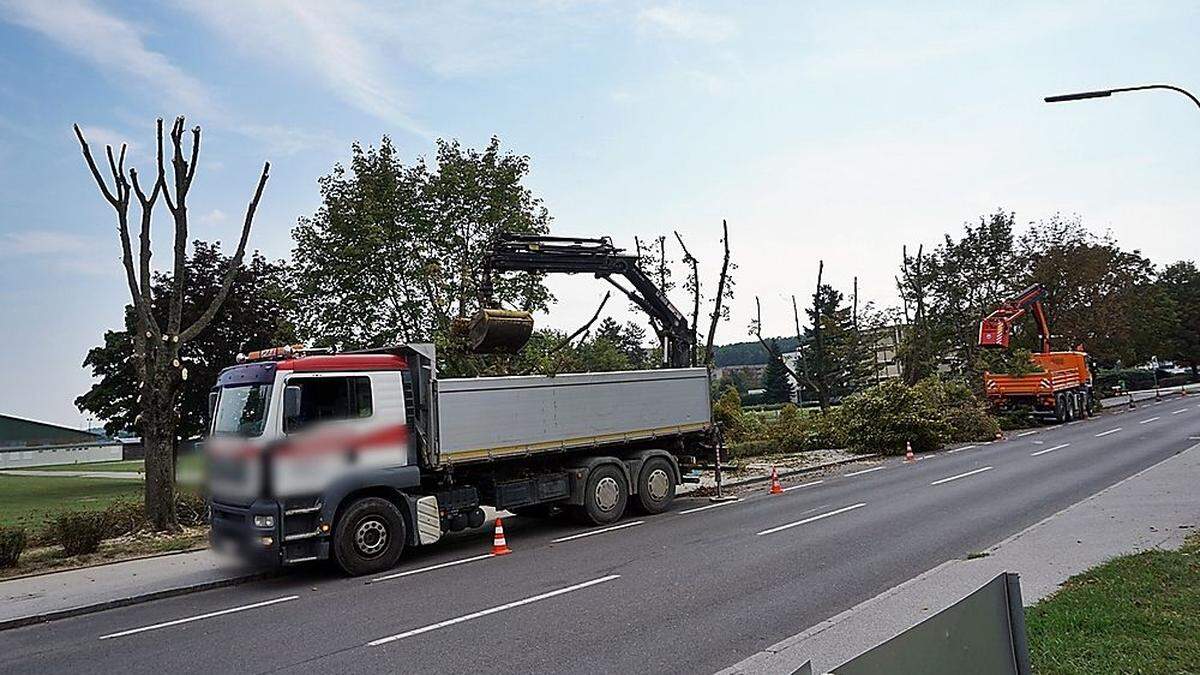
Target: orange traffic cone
x,y
776,488
499,545
908,453
999,436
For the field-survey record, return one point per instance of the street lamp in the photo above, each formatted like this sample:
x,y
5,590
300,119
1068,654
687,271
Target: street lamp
x,y
1105,93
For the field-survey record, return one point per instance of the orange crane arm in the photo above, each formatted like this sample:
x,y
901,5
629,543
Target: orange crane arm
x,y
996,328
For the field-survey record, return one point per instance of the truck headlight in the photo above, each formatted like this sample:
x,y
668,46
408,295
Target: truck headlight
x,y
264,521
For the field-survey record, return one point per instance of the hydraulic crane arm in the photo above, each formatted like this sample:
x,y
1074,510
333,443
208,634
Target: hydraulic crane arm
x,y
995,330
571,255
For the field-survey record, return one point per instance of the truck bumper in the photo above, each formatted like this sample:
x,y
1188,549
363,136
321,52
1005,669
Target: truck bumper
x,y
233,531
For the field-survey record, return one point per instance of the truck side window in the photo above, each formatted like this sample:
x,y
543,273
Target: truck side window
x,y
324,399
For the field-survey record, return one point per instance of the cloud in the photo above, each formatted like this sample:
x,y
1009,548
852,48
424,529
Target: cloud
x,y
214,217
688,24
41,242
115,46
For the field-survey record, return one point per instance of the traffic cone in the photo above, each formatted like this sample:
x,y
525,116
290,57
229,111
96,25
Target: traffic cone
x,y
776,488
499,545
908,453
999,436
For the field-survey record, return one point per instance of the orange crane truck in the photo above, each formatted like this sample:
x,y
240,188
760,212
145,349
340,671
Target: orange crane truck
x,y
1061,389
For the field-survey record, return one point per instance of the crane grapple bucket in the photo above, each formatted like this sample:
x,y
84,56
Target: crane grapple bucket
x,y
499,331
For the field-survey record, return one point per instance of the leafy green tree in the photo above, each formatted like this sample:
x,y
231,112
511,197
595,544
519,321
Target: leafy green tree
x,y
1181,283
394,254
255,315
776,380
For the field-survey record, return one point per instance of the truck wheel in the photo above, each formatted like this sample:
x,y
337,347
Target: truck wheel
x,y
368,537
1060,408
656,485
605,496
1072,411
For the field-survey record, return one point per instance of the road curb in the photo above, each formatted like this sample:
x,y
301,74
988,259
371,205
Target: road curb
x,y
47,617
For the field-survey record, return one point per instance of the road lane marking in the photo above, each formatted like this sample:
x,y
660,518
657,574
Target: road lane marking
x,y
803,485
859,473
810,519
961,475
1181,410
190,619
1110,431
1027,433
965,447
430,568
705,508
490,610
1149,420
599,531
1042,452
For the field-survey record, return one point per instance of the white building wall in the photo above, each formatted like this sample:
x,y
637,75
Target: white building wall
x,y
46,455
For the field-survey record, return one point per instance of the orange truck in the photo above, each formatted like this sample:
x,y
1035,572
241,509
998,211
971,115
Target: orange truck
x,y
1062,388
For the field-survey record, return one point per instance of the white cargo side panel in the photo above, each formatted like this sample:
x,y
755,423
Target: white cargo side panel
x,y
480,418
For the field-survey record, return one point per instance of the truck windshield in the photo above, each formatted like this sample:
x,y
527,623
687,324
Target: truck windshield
x,y
242,410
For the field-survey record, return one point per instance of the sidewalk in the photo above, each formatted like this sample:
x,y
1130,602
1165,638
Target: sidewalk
x,y
1154,508
45,597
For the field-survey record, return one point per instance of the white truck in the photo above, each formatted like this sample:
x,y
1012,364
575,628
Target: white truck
x,y
355,456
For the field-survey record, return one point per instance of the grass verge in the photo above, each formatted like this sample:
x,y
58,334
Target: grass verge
x,y
30,501
45,559
1134,614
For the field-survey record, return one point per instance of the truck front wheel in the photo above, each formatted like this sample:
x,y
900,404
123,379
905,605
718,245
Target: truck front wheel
x,y
605,496
656,485
368,537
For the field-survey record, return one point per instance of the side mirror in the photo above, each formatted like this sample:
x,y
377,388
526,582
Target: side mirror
x,y
212,405
291,402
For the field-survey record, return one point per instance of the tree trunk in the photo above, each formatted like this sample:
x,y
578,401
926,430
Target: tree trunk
x,y
160,471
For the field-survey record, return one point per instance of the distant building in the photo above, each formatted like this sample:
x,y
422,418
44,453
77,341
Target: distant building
x,y
25,442
885,343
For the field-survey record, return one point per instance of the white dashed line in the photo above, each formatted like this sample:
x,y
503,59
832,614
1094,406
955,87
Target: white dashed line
x,y
965,447
190,619
1149,420
961,475
707,507
1042,452
803,485
490,610
1026,433
1110,431
430,568
859,473
599,531
1181,410
835,512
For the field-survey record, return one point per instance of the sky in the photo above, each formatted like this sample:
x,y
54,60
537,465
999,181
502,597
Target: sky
x,y
819,130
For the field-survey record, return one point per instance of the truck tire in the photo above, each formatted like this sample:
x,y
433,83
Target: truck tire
x,y
369,536
605,496
1072,410
656,486
1060,408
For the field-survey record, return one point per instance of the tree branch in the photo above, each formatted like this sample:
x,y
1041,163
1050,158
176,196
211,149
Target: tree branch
x,y
234,264
91,163
583,328
716,315
690,259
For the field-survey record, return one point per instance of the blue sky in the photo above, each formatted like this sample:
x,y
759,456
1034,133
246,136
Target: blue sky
x,y
835,131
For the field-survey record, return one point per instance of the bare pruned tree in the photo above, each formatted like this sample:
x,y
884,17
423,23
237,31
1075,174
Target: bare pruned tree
x,y
156,346
724,290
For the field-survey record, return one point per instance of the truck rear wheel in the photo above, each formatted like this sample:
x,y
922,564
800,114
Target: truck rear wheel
x,y
656,485
1060,408
368,537
605,496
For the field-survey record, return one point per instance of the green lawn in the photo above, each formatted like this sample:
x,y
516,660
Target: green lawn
x,y
1134,614
27,501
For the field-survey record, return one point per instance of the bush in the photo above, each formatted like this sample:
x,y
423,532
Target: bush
x,y
798,431
125,516
965,415
80,532
933,412
12,543
191,508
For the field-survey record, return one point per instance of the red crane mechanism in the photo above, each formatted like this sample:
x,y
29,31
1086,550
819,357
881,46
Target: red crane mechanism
x,y
1061,390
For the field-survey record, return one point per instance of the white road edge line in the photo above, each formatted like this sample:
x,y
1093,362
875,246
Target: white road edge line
x,y
705,508
1026,433
965,447
1149,420
1110,431
859,473
835,512
439,566
1042,452
190,619
804,485
599,531
1181,410
490,610
961,475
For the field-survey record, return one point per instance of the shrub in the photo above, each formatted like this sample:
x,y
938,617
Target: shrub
x,y
728,413
965,415
12,543
80,532
885,417
798,431
125,516
191,508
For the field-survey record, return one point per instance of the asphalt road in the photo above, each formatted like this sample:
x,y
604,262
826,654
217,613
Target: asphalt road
x,y
691,591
